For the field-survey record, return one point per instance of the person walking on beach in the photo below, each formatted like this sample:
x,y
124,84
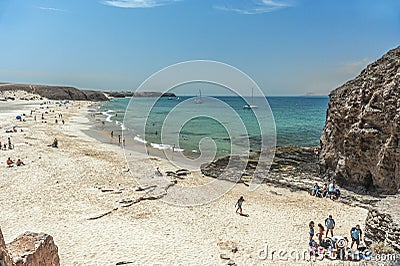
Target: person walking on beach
x,y
112,134
119,139
356,235
239,205
330,225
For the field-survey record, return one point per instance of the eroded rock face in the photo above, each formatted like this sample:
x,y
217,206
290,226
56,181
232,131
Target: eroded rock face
x,y
360,141
5,258
29,249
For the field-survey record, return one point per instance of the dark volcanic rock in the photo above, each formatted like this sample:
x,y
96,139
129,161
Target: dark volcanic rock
x,y
57,92
293,167
360,141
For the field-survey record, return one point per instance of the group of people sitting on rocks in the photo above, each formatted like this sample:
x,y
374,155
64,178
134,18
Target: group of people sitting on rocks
x,y
326,191
336,247
11,163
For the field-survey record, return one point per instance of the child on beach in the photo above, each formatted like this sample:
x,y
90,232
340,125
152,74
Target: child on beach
x,y
320,233
311,226
315,190
239,205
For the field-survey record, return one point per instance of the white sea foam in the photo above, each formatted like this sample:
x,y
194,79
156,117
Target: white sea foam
x,y
161,146
138,139
108,115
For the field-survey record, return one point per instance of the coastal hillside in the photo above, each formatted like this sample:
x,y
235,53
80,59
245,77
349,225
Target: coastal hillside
x,y
360,142
55,92
70,93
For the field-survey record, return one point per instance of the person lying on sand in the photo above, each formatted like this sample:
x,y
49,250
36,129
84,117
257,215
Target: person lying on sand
x,y
19,162
10,162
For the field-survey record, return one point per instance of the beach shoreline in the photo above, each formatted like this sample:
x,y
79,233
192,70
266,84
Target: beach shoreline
x,y
77,194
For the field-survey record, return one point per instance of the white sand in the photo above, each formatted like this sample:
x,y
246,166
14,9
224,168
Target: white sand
x,y
57,190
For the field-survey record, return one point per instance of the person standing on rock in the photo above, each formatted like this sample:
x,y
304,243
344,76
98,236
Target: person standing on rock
x,y
330,225
239,205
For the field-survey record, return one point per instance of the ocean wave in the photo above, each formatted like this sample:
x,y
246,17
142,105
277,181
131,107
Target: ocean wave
x,y
108,114
165,147
138,139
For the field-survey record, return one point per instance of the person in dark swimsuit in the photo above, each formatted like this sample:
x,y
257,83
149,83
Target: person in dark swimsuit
x,y
239,205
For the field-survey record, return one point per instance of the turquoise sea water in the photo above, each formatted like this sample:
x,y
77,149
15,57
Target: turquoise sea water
x,y
298,120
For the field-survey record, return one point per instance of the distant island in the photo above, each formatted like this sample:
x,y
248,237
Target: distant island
x,y
72,93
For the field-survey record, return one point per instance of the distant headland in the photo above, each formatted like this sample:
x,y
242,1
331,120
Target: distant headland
x,y
75,94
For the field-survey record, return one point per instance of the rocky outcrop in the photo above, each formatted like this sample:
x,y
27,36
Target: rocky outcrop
x,y
5,259
293,167
360,142
381,227
383,223
71,93
29,249
56,92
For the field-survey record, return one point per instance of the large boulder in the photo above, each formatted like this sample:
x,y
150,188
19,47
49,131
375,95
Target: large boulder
x,y
360,142
5,259
29,249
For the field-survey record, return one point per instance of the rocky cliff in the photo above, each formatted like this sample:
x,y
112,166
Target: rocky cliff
x,y
29,249
56,92
360,142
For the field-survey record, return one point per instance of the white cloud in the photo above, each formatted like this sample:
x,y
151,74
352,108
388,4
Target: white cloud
x,y
137,3
52,9
253,7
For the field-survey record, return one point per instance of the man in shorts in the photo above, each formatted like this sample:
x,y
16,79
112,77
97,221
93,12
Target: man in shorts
x,y
330,225
356,234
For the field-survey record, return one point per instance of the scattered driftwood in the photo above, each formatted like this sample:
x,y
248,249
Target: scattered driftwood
x,y
181,173
101,215
124,262
140,188
106,189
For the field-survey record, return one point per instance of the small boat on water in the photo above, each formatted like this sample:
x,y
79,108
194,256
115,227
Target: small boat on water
x,y
198,99
250,106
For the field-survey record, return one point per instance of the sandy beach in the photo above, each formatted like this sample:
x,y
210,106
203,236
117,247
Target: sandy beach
x,y
64,191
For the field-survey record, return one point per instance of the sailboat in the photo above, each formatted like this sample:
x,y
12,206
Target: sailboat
x,y
250,106
198,99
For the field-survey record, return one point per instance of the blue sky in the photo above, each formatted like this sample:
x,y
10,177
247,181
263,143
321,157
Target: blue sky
x,y
289,47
